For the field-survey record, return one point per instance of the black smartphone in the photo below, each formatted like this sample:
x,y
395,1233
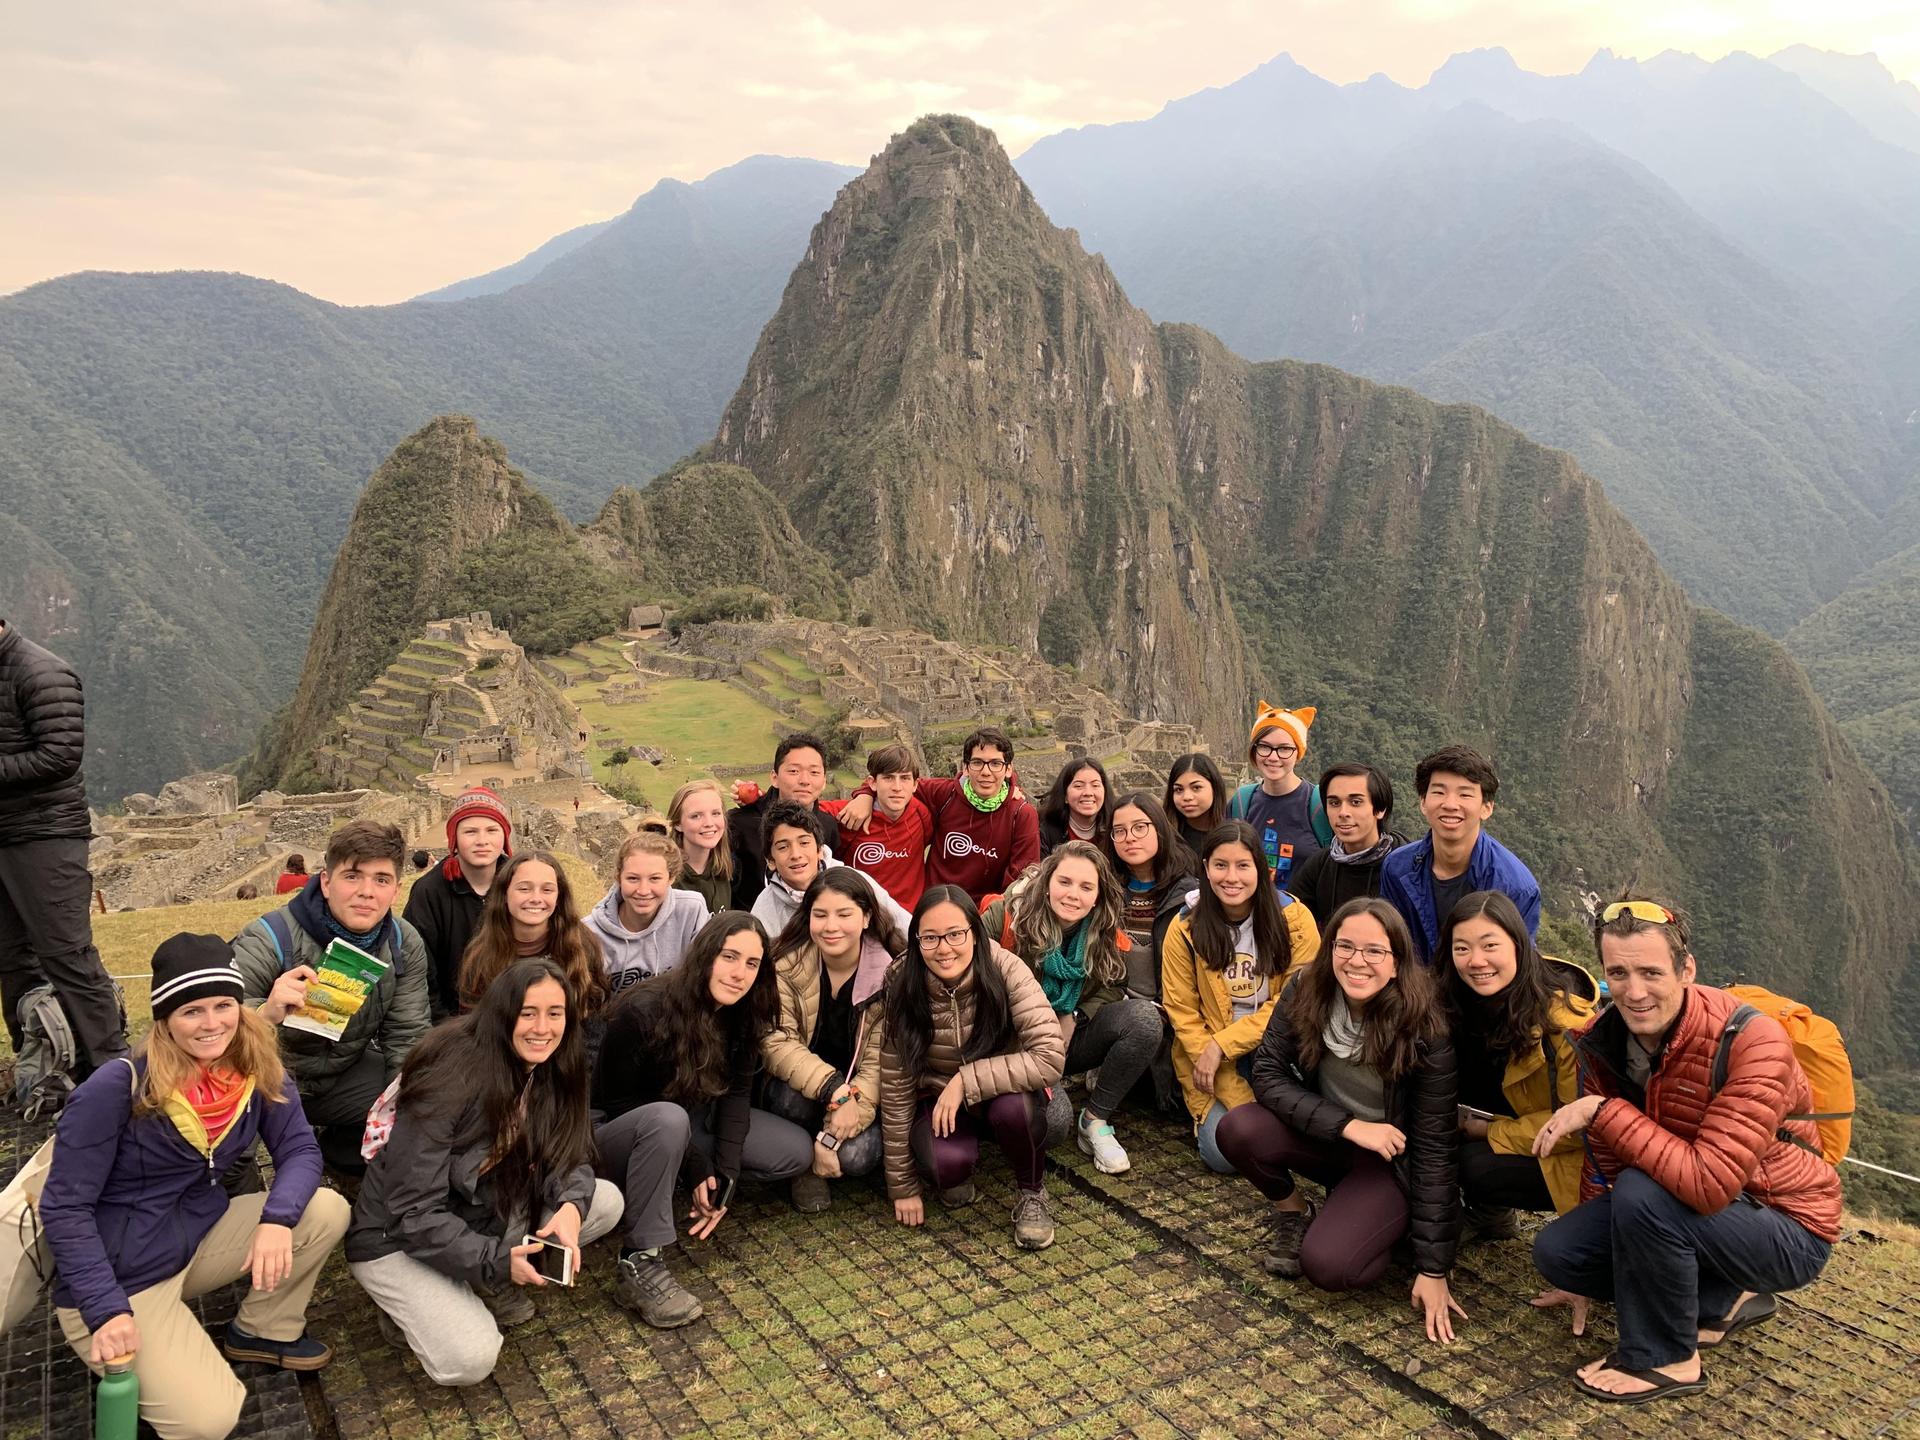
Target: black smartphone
x,y
554,1259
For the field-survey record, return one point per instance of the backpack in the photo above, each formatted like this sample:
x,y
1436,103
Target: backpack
x,y
43,1070
26,1262
1822,1053
1242,800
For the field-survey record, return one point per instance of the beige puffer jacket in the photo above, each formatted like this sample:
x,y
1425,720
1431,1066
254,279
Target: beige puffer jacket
x,y
1034,1061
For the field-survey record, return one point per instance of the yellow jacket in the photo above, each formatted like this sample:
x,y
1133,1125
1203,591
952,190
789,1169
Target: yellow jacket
x,y
1195,998
1535,1092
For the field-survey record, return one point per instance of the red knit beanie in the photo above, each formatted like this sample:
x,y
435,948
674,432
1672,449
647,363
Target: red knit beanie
x,y
479,801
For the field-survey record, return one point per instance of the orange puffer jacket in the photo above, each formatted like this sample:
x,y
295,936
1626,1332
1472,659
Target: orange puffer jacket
x,y
1706,1151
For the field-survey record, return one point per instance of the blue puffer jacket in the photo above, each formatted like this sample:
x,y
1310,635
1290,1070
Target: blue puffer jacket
x,y
128,1200
1406,883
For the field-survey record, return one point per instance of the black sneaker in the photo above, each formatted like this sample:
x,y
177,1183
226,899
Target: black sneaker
x,y
306,1353
1287,1232
810,1193
646,1286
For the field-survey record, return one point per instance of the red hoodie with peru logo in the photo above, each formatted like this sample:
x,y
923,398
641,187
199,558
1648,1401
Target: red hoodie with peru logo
x,y
893,852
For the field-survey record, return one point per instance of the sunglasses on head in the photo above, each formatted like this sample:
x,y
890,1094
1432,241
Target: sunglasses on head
x,y
1640,910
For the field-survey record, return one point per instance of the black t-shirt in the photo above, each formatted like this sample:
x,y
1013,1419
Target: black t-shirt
x,y
1446,895
833,1029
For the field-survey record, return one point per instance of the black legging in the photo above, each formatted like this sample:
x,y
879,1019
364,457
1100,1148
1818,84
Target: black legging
x,y
1512,1181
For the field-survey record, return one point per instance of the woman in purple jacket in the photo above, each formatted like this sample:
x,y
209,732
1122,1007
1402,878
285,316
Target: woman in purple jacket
x,y
137,1220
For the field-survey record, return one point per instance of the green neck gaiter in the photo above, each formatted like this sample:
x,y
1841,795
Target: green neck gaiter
x,y
985,807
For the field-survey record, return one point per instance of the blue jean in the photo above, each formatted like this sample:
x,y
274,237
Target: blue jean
x,y
1665,1266
1204,1137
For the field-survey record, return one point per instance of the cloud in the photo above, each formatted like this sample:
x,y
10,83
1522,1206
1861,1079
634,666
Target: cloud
x,y
366,150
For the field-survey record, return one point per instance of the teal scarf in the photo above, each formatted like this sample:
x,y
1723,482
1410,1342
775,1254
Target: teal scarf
x,y
985,807
1063,972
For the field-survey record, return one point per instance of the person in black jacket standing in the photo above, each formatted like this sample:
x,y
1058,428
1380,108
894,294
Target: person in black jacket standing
x,y
46,935
1354,1083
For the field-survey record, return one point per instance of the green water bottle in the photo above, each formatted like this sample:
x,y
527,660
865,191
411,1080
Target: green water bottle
x,y
116,1406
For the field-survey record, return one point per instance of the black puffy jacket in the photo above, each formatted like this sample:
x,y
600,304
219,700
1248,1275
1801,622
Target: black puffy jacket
x,y
1420,1104
42,738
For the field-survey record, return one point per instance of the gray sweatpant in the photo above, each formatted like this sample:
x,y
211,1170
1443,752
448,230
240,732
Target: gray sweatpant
x,y
1119,1041
446,1324
643,1150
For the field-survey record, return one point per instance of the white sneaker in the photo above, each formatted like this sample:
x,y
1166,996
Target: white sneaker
x,y
1096,1139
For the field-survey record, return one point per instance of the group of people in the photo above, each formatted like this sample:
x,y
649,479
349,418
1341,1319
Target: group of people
x,y
799,990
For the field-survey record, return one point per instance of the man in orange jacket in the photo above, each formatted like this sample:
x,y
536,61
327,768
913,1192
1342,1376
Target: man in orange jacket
x,y
1700,1201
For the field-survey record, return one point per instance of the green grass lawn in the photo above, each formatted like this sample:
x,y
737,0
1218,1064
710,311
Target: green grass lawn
x,y
698,723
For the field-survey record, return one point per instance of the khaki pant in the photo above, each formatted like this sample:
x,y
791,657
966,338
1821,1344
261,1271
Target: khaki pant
x,y
187,1389
447,1325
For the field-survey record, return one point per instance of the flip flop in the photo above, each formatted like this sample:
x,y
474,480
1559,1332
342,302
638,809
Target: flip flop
x,y
1664,1386
1756,1309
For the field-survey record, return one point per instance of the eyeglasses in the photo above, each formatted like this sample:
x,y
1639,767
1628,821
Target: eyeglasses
x,y
1275,752
1372,954
1139,830
1640,910
951,940
987,767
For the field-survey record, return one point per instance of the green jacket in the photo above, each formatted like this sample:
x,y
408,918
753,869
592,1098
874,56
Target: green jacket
x,y
397,1013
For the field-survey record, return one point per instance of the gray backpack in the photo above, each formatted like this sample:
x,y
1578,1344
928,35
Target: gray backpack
x,y
43,1070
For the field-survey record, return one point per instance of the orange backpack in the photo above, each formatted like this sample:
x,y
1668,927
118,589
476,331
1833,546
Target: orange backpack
x,y
1822,1053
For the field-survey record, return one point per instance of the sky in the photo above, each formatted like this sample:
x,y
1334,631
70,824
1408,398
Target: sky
x,y
368,150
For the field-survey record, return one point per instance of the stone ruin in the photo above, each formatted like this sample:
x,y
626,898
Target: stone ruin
x,y
905,685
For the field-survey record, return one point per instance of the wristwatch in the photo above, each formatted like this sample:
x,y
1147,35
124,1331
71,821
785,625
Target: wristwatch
x,y
828,1139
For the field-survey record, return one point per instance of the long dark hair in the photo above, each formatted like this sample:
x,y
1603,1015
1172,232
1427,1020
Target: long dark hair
x,y
1173,860
1404,1017
910,1006
1212,932
841,880
1525,1011
1196,763
1053,809
705,1036
536,1119
492,950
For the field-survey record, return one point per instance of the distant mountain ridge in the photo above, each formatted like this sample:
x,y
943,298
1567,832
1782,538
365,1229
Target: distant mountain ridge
x,y
1507,239
182,451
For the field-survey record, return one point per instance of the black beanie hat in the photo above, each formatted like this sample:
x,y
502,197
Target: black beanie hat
x,y
193,967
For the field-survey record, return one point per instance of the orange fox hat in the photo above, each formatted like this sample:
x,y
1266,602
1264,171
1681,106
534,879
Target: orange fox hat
x,y
1295,722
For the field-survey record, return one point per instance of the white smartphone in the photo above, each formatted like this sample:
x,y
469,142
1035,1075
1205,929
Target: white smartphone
x,y
554,1259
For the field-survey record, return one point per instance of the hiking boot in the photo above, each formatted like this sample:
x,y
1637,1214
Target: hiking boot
x,y
1032,1221
1287,1232
306,1353
511,1305
1493,1222
1096,1139
810,1194
646,1287
959,1196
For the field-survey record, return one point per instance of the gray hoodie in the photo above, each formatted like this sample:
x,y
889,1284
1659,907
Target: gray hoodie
x,y
635,955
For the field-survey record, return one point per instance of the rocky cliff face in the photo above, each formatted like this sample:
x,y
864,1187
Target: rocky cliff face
x,y
959,405
445,491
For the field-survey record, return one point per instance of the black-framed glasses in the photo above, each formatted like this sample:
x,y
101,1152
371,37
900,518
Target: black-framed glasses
x,y
1275,752
946,940
987,767
1372,954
